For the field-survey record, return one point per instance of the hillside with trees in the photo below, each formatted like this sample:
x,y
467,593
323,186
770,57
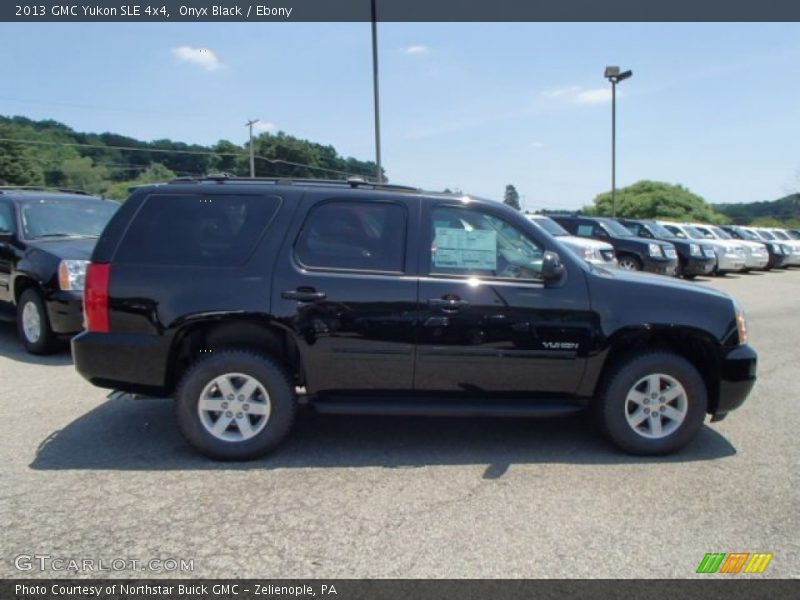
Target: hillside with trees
x,y
49,153
656,200
784,212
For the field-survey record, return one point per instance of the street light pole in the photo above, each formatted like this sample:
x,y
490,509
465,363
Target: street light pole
x,y
614,76
250,124
613,149
379,169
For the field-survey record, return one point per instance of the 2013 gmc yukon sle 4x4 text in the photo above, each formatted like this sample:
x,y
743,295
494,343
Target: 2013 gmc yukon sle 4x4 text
x,y
230,294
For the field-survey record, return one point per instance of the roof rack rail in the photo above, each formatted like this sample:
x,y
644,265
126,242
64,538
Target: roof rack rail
x,y
353,182
42,188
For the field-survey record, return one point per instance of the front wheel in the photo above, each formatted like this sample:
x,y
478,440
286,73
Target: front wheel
x,y
629,263
235,405
33,324
652,404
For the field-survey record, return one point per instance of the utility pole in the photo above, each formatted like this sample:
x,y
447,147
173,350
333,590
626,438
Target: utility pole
x,y
250,124
379,174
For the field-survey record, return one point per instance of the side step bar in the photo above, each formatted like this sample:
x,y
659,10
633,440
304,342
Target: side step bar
x,y
439,408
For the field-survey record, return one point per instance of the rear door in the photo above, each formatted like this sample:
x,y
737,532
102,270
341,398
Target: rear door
x,y
345,284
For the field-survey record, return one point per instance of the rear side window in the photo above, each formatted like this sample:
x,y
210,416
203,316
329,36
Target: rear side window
x,y
194,230
585,230
354,236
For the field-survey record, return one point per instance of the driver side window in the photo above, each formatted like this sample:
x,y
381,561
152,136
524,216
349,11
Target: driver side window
x,y
472,243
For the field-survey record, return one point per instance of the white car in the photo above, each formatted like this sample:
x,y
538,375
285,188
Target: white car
x,y
730,256
784,238
756,255
592,251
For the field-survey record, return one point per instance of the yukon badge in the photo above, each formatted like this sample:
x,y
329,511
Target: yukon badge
x,y
560,345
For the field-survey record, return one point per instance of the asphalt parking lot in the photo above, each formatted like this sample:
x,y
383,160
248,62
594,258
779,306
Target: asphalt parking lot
x,y
83,477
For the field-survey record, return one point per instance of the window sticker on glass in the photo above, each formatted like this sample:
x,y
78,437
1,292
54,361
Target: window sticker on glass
x,y
457,248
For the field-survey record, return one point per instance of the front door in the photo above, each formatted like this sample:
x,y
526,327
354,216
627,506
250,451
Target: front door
x,y
488,324
346,286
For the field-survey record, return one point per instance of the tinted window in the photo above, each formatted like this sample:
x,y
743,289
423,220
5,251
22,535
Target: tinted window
x,y
354,236
473,243
6,218
192,230
84,217
585,230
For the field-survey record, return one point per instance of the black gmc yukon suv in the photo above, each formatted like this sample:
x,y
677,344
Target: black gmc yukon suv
x,y
46,239
230,294
633,253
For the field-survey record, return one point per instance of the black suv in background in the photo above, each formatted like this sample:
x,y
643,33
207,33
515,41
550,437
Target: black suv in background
x,y
46,239
232,293
633,253
694,258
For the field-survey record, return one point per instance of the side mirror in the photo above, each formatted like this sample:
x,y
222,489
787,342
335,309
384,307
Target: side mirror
x,y
552,267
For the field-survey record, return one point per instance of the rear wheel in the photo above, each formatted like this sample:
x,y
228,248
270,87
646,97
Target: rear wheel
x,y
629,263
33,325
235,405
652,404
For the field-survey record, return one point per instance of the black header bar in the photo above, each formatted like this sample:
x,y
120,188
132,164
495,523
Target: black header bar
x,y
399,10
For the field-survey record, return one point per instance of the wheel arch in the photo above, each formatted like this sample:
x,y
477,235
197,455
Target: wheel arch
x,y
262,335
696,345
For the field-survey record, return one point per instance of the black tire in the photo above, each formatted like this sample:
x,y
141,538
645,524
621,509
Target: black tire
x,y
690,277
46,341
612,407
636,264
268,373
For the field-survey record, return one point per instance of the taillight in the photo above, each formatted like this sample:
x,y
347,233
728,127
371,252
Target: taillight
x,y
95,298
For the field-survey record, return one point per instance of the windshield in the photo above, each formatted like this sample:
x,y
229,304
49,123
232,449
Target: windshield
x,y
659,231
748,235
721,233
780,235
550,226
615,228
66,218
694,232
766,235
794,235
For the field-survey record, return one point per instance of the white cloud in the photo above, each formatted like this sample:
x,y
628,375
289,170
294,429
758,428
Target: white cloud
x,y
580,95
562,91
416,50
594,96
263,126
537,144
202,57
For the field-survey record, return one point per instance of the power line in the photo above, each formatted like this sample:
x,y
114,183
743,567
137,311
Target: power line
x,y
193,152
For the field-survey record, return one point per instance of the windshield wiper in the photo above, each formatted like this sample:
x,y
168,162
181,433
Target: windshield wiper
x,y
72,235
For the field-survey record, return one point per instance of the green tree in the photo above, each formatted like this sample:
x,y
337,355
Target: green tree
x,y
82,174
656,200
511,197
155,173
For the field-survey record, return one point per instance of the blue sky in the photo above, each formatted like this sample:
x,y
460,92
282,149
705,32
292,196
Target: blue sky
x,y
715,107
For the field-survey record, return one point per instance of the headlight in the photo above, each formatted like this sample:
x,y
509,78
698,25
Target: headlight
x,y
776,248
72,274
694,250
654,249
741,324
786,250
591,254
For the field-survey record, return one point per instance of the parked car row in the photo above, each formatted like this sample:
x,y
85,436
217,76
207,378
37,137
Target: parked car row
x,y
677,249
